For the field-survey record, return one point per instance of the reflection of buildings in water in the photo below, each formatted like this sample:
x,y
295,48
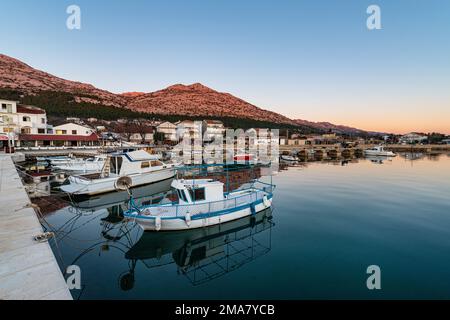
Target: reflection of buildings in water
x,y
412,155
234,176
203,254
433,156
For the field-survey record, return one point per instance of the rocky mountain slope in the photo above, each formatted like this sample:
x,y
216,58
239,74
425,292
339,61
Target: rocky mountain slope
x,y
189,100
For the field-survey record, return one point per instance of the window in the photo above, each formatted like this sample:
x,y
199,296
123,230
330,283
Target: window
x,y
197,194
41,130
25,130
7,107
74,131
64,131
182,195
156,163
26,119
6,130
145,164
43,120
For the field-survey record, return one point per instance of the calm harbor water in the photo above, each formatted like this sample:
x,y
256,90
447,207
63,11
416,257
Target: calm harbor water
x,y
329,223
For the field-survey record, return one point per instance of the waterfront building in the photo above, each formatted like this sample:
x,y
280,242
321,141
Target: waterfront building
x,y
192,128
143,137
283,141
413,137
74,129
212,129
65,135
17,119
297,142
169,130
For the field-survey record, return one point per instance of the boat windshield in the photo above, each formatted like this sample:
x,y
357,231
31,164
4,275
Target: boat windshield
x,y
115,164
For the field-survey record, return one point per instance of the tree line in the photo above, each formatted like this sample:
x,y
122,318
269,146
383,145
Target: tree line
x,y
62,104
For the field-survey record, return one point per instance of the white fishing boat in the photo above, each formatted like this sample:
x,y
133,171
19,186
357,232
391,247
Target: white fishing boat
x,y
288,158
94,164
202,203
379,151
139,166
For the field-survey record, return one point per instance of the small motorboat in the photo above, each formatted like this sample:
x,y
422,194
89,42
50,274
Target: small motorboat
x,y
379,151
202,203
56,160
139,166
288,158
94,164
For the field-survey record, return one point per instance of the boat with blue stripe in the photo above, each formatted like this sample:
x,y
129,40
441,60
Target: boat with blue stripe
x,y
202,203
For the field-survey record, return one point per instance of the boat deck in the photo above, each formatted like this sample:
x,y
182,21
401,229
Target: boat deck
x,y
233,200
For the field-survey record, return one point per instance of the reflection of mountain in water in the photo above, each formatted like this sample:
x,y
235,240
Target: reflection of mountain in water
x,y
204,254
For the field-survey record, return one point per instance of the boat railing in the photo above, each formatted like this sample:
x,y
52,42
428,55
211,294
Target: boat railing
x,y
181,210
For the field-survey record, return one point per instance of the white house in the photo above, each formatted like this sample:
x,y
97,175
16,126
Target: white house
x,y
168,129
191,128
213,128
137,137
412,137
262,136
17,118
73,129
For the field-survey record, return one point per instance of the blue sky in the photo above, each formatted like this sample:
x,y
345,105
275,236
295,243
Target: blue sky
x,y
314,60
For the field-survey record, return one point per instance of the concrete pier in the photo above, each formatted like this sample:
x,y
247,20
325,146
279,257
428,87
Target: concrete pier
x,y
28,269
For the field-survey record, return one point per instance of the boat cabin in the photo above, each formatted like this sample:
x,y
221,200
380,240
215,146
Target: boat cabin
x,y
134,162
198,190
377,148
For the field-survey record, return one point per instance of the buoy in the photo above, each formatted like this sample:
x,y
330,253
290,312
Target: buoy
x,y
187,218
158,223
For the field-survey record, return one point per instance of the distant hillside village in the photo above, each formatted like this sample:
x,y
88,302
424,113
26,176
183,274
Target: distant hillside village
x,y
25,126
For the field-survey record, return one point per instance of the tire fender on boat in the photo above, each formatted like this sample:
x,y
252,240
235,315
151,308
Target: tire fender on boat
x,y
158,223
187,218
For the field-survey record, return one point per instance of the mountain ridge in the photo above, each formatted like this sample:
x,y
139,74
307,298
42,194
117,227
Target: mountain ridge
x,y
179,99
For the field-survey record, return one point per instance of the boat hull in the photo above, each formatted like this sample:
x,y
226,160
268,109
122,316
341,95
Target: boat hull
x,y
176,224
84,187
379,153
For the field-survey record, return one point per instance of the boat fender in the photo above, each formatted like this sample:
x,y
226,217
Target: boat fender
x,y
158,223
266,202
187,218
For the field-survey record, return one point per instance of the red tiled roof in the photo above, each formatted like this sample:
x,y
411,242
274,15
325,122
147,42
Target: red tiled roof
x,y
57,137
29,109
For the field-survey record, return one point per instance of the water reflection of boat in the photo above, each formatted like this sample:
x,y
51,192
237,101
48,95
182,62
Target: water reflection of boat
x,y
204,254
378,159
148,194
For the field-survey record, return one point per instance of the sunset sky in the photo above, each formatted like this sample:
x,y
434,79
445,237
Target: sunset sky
x,y
314,60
